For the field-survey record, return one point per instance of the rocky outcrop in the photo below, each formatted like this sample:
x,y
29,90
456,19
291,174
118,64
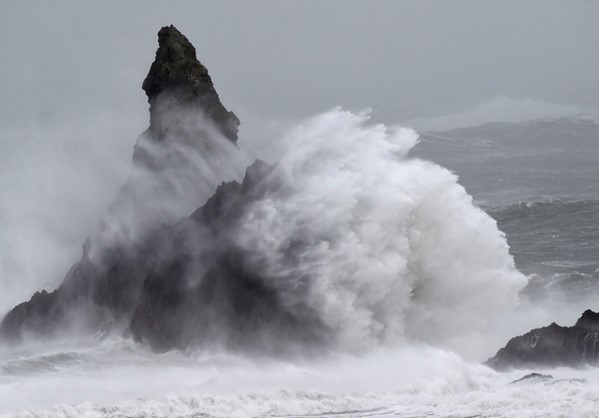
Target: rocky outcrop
x,y
103,289
552,346
179,284
93,297
178,81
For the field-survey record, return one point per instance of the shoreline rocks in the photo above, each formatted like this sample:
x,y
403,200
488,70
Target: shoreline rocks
x,y
552,346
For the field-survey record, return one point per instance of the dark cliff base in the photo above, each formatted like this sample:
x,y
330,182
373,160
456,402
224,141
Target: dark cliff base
x,y
552,346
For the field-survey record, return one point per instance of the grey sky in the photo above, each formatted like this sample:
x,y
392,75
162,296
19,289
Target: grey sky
x,y
278,59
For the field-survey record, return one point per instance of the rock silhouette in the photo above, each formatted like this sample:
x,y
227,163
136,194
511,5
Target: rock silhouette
x,y
552,346
178,80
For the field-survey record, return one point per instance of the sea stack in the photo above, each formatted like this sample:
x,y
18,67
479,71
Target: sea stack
x,y
101,291
177,80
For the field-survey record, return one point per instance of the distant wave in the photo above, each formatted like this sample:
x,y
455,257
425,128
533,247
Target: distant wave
x,y
584,209
556,236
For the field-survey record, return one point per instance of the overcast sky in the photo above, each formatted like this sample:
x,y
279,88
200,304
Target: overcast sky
x,y
280,59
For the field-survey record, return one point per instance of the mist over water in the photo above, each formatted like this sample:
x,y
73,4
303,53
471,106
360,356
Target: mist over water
x,y
56,180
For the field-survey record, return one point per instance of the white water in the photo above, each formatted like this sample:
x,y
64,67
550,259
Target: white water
x,y
115,379
408,275
392,248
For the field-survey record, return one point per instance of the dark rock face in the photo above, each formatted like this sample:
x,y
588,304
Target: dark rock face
x,y
588,320
178,80
552,346
183,284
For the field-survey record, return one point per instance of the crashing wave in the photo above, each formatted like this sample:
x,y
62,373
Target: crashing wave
x,y
345,243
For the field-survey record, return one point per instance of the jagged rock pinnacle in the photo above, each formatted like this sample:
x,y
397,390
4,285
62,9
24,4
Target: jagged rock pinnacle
x,y
104,287
177,73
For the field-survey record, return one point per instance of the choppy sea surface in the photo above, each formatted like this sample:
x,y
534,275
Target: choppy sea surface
x,y
539,180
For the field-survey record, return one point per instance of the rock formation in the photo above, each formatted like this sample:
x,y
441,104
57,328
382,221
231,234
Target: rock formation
x,y
552,346
177,80
103,289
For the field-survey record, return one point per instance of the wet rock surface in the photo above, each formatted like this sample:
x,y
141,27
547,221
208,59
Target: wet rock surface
x,y
552,346
178,80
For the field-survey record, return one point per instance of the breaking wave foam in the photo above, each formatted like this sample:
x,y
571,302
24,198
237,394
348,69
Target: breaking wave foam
x,y
410,382
383,247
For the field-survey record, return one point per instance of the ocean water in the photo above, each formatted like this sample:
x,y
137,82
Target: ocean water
x,y
538,180
409,343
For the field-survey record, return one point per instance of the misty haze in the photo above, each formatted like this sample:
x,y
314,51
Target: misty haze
x,y
302,208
